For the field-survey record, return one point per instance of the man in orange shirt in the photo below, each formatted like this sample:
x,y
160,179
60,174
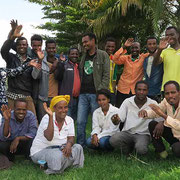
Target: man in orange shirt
x,y
133,69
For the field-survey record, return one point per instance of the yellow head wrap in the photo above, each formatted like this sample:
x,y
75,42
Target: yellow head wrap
x,y
57,99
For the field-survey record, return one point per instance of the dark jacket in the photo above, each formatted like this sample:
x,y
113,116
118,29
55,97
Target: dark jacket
x,y
21,84
65,75
101,69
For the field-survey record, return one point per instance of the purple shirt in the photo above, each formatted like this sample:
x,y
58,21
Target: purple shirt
x,y
27,128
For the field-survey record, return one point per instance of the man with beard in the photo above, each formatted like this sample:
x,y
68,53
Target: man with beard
x,y
67,73
132,72
169,55
94,73
17,130
153,74
135,134
169,128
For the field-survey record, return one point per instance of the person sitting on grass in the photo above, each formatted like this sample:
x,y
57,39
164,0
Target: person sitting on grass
x,y
169,128
17,130
102,126
54,142
135,134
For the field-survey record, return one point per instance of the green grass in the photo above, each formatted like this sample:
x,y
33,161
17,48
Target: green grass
x,y
102,166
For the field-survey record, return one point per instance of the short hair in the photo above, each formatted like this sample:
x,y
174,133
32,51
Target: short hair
x,y
173,27
141,82
91,36
151,37
20,100
70,49
172,82
50,41
36,37
111,39
105,92
20,39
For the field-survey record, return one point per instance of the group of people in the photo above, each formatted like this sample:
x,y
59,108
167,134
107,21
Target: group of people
x,y
52,91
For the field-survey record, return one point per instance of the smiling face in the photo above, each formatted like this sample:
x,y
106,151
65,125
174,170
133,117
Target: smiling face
x,y
103,101
172,94
110,47
88,43
20,110
172,35
135,49
141,91
22,46
51,49
151,45
73,55
61,109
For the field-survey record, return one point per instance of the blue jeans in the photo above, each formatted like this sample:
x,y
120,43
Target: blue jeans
x,y
103,143
72,109
87,103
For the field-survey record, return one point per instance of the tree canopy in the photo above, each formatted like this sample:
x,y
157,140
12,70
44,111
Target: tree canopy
x,y
118,18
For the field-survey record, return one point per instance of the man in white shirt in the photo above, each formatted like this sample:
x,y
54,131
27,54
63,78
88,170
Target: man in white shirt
x,y
135,134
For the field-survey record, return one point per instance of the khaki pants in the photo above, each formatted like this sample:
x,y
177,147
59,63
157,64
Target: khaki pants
x,y
30,105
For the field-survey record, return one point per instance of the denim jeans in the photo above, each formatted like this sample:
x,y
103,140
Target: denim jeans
x,y
72,109
103,143
87,103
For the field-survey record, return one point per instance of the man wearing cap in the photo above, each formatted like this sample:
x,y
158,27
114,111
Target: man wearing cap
x,y
54,142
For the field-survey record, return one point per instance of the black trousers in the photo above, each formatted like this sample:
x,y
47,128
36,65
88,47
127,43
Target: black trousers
x,y
168,136
23,148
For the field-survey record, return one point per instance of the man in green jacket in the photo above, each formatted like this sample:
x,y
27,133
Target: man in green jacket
x,y
94,71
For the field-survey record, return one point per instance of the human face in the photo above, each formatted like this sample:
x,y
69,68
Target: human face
x,y
135,49
73,55
103,101
51,49
36,45
141,91
151,45
173,36
61,109
22,47
88,43
172,94
20,111
110,47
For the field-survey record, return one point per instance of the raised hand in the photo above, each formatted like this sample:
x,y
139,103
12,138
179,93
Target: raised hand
x,y
164,42
17,32
14,24
40,55
35,64
62,57
6,111
129,42
47,109
53,67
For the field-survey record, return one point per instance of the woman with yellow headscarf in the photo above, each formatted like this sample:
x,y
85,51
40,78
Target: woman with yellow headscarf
x,y
54,142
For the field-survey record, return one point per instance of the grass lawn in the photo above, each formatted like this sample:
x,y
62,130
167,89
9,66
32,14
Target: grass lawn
x,y
102,166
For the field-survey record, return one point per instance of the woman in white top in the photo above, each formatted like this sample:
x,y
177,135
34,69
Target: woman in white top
x,y
102,126
54,142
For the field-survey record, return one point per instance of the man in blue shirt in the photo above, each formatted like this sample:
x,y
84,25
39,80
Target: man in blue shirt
x,y
17,130
153,74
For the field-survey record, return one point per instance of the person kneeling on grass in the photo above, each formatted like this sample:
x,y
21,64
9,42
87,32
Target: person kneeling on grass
x,y
103,128
54,142
169,128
